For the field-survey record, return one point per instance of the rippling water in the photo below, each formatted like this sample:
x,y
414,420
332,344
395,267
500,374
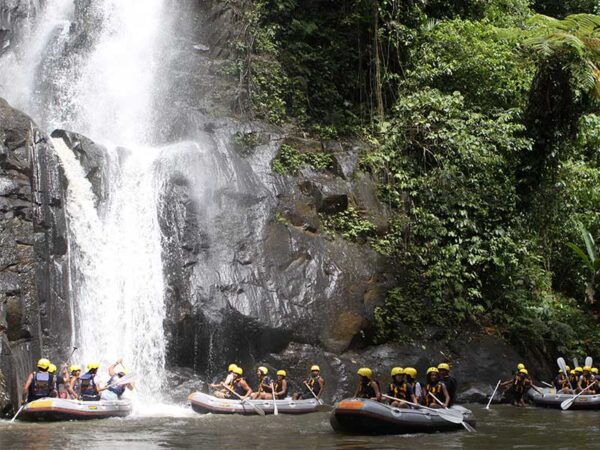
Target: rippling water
x,y
502,427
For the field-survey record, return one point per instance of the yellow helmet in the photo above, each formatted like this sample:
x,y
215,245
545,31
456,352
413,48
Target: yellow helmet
x,y
397,371
283,373
444,366
93,365
432,370
595,370
315,367
43,363
411,372
75,368
51,368
238,370
520,366
568,368
263,370
572,372
365,372
231,367
578,369
524,371
587,368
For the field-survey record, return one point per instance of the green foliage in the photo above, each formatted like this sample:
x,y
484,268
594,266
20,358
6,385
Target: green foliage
x,y
472,58
349,224
484,139
290,161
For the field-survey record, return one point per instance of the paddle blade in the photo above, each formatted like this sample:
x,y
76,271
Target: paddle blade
x,y
567,403
450,417
589,361
575,363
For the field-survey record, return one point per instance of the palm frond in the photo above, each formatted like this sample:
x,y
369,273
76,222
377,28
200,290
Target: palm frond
x,y
581,254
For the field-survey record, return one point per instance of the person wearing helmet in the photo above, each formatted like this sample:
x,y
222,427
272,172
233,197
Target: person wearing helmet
x,y
87,384
113,391
586,382
228,381
400,389
73,385
562,383
264,390
281,385
448,380
435,388
315,383
411,378
39,384
367,387
518,387
574,379
239,385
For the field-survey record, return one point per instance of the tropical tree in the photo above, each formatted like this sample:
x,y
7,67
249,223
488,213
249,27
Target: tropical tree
x,y
591,260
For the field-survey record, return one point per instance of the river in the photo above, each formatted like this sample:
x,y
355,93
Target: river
x,y
502,427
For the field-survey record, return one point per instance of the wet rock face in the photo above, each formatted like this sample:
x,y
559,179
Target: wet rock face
x,y
33,284
13,13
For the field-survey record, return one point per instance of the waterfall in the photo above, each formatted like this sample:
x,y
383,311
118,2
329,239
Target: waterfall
x,y
105,90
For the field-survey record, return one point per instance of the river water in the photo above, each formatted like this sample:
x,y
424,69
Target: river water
x,y
502,427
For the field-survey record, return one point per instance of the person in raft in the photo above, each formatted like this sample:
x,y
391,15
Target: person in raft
x,y
265,382
113,390
86,386
40,383
368,387
239,386
225,384
400,389
316,384
435,394
281,385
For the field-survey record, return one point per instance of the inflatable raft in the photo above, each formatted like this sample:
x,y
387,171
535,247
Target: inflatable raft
x,y
549,398
362,416
56,409
204,404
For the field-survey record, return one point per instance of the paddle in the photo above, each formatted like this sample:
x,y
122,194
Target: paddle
x,y
275,410
547,384
567,403
18,412
449,415
244,400
575,363
322,406
589,361
493,394
468,427
562,365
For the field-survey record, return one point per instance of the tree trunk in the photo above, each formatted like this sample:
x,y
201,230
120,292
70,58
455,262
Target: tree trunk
x,y
377,55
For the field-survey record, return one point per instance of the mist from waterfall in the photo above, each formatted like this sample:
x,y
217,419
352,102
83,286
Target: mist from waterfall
x,y
106,92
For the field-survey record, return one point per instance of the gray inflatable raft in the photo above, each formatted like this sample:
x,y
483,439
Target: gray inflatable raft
x,y
57,409
204,404
549,398
362,416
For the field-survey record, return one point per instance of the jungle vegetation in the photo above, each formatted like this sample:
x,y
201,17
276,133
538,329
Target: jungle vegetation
x,y
483,130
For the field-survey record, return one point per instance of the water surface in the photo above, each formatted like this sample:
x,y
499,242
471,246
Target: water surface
x,y
502,427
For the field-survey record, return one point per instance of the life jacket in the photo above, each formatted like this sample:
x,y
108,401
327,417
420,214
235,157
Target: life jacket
x,y
438,392
366,390
238,388
573,379
87,386
314,384
399,391
119,390
585,382
278,386
42,384
264,384
450,383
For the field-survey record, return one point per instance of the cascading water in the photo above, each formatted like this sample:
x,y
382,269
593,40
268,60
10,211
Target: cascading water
x,y
105,91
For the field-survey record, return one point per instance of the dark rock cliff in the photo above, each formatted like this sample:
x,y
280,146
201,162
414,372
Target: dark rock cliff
x,y
33,249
